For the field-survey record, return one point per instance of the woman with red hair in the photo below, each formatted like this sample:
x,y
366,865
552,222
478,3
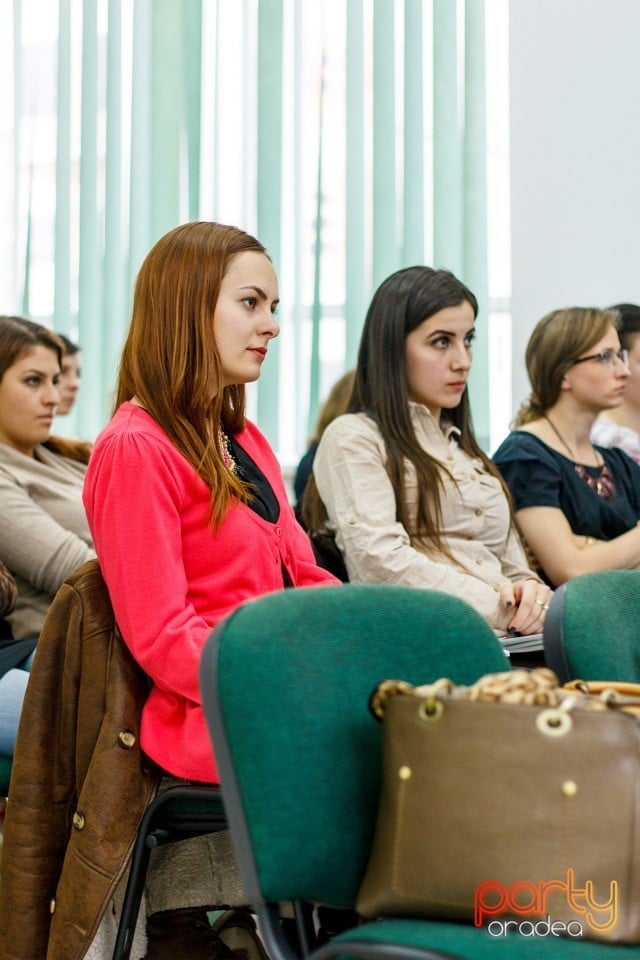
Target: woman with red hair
x,y
186,501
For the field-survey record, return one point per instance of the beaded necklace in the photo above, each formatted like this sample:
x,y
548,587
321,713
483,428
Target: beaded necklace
x,y
227,456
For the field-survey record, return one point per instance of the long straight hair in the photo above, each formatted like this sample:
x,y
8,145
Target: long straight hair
x,y
170,362
400,304
19,337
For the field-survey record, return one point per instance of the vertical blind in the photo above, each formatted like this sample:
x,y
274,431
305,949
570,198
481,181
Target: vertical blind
x,y
348,136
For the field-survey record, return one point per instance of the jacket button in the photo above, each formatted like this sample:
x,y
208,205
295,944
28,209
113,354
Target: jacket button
x,y
126,739
78,820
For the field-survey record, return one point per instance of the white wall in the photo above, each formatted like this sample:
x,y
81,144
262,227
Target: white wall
x,y
575,159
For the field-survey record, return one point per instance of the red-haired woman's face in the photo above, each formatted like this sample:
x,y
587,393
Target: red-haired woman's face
x,y
243,320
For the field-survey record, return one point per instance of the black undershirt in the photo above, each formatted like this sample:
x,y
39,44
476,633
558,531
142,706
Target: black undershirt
x,y
263,501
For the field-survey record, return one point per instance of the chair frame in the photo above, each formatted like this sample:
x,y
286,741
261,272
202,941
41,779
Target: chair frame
x,y
168,818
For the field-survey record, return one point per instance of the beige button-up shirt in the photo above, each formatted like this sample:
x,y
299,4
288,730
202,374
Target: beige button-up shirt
x,y
44,534
350,472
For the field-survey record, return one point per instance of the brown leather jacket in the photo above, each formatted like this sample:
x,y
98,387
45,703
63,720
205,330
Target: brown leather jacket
x,y
80,783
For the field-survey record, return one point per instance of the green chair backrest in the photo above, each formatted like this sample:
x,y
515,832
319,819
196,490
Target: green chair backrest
x,y
593,627
286,681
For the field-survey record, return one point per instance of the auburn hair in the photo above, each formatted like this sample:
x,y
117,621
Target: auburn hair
x,y
170,362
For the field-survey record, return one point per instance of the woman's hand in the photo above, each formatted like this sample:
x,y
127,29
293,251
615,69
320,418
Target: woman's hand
x,y
531,600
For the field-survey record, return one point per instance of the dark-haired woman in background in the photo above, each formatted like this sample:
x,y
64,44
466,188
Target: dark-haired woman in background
x,y
44,534
401,479
69,380
335,404
620,427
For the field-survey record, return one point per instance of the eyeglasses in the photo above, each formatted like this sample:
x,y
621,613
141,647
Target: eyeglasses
x,y
606,358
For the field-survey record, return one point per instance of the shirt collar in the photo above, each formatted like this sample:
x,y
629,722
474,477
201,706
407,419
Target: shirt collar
x,y
421,413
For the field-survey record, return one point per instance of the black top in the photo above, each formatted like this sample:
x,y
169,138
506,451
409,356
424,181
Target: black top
x,y
539,476
264,501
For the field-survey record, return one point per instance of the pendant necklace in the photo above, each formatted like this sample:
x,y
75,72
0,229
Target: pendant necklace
x,y
603,484
560,437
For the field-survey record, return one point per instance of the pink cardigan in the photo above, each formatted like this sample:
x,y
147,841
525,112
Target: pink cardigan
x,y
171,579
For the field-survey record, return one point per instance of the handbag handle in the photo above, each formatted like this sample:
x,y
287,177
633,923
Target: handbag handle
x,y
615,693
538,687
391,688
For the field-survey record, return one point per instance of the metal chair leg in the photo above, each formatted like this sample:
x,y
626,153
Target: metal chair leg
x,y
167,819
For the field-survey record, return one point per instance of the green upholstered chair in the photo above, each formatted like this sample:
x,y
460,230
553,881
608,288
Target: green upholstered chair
x,y
592,629
285,682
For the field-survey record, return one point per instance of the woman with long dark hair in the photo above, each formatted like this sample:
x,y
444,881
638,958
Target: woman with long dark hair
x,y
401,479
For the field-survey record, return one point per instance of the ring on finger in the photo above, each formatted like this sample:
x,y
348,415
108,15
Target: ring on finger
x,y
543,604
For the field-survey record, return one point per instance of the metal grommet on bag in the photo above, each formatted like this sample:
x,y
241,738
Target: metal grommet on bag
x,y
554,722
430,710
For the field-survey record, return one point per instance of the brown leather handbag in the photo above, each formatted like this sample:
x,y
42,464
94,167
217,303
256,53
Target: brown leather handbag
x,y
513,804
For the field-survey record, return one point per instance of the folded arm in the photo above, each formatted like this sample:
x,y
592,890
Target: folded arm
x,y
563,554
359,498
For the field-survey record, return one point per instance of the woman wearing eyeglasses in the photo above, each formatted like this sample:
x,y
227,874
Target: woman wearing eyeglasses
x,y
577,504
